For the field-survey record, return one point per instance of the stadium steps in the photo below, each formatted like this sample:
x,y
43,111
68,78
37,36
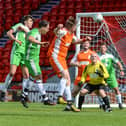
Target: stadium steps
x,y
36,14
3,40
44,8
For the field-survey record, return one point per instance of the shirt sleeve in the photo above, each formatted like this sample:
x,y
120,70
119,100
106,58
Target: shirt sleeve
x,y
61,33
84,75
115,60
33,33
74,39
104,71
17,26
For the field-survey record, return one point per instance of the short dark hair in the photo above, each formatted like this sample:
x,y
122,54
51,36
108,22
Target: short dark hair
x,y
25,18
103,44
43,23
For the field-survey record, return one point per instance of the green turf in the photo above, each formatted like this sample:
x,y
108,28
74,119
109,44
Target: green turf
x,y
13,114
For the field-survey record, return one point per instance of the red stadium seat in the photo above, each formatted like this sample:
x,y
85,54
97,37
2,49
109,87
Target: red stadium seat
x,y
53,12
71,6
18,77
8,25
35,4
8,6
45,17
1,12
8,1
53,25
18,1
9,13
53,18
62,6
1,77
36,23
18,6
27,2
70,13
26,11
43,1
18,12
62,13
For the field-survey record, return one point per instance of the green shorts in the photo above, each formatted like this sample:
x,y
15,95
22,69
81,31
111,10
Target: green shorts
x,y
33,67
112,81
17,55
17,58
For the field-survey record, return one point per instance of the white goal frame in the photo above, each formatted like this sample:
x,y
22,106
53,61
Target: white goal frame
x,y
78,34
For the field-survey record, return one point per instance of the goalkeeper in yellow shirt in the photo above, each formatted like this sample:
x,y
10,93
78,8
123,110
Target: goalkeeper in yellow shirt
x,y
97,74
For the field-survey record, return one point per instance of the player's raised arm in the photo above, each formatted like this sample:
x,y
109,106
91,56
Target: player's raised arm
x,y
115,60
16,28
84,75
104,71
74,61
79,41
33,40
121,68
56,30
12,37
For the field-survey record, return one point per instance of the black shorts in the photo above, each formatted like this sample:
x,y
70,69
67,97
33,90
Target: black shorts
x,y
92,88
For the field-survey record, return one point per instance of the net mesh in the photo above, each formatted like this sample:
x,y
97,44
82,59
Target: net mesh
x,y
111,31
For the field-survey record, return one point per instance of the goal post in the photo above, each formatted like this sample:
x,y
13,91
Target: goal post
x,y
112,31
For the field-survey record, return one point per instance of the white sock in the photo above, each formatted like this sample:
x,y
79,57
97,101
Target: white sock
x,y
25,86
41,89
30,82
7,81
118,97
62,86
68,93
100,100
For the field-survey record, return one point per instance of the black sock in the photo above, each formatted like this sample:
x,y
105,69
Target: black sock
x,y
24,93
26,90
69,102
43,96
106,101
80,102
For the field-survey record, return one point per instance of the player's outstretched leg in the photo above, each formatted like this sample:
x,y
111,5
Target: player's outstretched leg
x,y
62,86
71,107
60,100
47,101
107,104
41,89
80,101
119,100
24,98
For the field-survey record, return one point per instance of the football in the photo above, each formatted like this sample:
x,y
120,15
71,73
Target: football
x,y
98,17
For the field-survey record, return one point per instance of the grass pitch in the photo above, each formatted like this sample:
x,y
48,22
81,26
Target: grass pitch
x,y
14,114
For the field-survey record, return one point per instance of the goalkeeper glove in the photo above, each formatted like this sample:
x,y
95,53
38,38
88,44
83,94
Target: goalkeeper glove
x,y
80,83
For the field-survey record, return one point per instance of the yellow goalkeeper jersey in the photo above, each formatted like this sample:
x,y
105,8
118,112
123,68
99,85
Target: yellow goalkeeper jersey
x,y
92,71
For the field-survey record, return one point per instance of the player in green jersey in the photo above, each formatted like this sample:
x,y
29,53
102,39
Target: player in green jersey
x,y
33,44
18,50
108,60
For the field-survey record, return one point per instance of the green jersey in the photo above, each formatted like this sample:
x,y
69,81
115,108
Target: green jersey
x,y
20,35
33,49
108,60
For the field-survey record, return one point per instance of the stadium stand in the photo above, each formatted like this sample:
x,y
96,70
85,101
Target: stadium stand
x,y
55,11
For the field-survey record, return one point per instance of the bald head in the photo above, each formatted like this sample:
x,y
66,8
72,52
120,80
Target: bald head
x,y
94,58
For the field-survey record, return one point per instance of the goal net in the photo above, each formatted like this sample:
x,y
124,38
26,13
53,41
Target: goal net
x,y
111,31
